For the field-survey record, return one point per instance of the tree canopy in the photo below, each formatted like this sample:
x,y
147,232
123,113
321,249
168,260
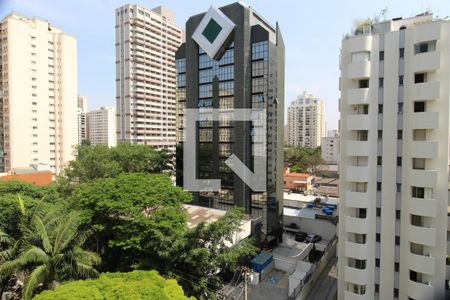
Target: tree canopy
x,y
100,161
304,159
116,286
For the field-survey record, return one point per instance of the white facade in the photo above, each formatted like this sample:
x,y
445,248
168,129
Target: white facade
x,y
146,41
81,115
394,160
39,84
306,121
330,149
101,127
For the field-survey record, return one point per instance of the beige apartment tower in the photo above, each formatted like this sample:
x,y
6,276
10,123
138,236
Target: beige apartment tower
x,y
101,126
38,80
394,163
306,121
81,115
146,41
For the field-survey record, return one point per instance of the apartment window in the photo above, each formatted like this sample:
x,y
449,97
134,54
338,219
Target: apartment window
x,y
400,108
418,192
377,260
363,83
419,106
380,82
377,239
399,134
420,77
419,163
395,293
378,211
397,240
399,161
380,134
379,160
381,55
398,187
361,56
362,135
402,52
419,134
357,263
379,186
380,108
397,214
425,47
400,80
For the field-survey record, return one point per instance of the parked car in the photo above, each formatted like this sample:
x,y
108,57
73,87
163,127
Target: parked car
x,y
293,226
313,238
300,236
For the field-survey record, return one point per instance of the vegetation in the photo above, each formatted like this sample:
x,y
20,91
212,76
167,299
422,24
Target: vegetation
x,y
48,251
117,204
111,286
304,159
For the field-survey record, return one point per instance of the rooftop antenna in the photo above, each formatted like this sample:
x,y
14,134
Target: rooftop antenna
x,y
383,13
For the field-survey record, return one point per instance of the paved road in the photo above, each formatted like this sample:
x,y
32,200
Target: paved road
x,y
326,285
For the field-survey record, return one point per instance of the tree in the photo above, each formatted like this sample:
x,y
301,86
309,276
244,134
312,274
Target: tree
x,y
138,218
49,250
304,159
111,286
100,161
207,258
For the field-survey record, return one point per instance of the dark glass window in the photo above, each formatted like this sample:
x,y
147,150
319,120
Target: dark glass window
x,y
380,82
400,80
380,134
378,186
402,52
381,55
379,160
399,134
363,83
420,77
399,161
380,108
419,106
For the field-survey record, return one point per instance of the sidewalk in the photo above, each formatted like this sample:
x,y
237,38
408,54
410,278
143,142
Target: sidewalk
x,y
326,285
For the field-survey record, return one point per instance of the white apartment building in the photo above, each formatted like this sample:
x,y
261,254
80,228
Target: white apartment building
x,y
101,126
306,121
394,162
146,41
38,80
81,115
330,149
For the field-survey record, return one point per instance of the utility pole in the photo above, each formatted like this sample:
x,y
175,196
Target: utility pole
x,y
247,278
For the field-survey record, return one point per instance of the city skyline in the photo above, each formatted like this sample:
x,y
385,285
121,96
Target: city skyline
x,y
313,67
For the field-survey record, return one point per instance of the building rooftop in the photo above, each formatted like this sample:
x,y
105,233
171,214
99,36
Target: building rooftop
x,y
199,214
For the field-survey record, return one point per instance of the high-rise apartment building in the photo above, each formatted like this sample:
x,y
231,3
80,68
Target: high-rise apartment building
x,y
38,80
306,121
101,126
330,149
146,41
81,115
233,59
395,108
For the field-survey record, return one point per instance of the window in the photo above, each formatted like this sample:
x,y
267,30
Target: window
x,y
379,160
396,292
402,52
400,108
380,134
363,83
419,163
397,214
378,212
399,161
425,47
420,77
361,56
381,55
419,135
362,135
377,260
380,82
379,186
377,288
400,80
377,239
397,240
419,106
398,187
380,108
418,192
399,134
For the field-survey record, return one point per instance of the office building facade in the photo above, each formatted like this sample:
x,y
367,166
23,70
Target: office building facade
x,y
38,80
101,126
306,121
233,59
394,166
146,41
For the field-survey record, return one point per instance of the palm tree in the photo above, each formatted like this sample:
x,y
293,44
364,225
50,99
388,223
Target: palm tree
x,y
49,251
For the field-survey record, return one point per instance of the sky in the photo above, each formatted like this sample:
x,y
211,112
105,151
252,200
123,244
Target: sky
x,y
312,31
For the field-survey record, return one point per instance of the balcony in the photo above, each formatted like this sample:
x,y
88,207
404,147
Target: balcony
x,y
356,225
423,207
424,149
425,120
358,96
422,263
426,91
352,296
358,122
359,43
424,178
356,199
357,148
426,62
356,276
418,290
358,70
422,235
357,174
355,250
